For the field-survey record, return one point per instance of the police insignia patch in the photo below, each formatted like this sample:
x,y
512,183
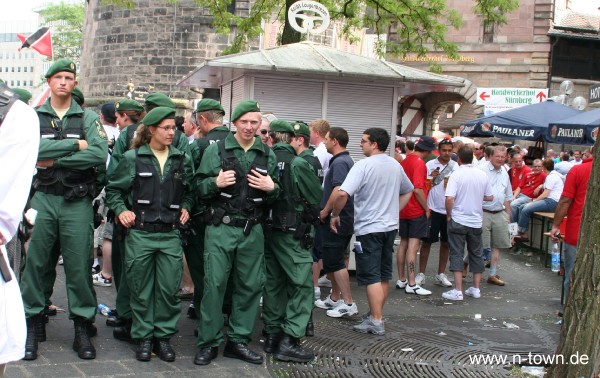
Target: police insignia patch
x,y
101,131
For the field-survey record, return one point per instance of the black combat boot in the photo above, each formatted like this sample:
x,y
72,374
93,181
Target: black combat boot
x,y
123,333
31,345
163,349
290,350
272,342
40,327
144,350
310,327
82,343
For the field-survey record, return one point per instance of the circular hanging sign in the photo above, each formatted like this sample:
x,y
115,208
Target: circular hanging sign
x,y
314,16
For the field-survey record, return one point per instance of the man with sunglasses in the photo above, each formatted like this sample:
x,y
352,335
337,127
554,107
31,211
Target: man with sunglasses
x,y
263,130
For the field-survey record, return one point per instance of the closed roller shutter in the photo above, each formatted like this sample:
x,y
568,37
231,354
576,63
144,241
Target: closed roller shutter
x,y
356,108
239,92
292,100
226,99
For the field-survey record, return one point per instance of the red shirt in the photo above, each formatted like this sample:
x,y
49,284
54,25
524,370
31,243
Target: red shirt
x,y
576,185
532,181
516,176
416,170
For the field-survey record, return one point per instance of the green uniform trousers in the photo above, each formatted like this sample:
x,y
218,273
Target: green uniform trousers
x,y
228,252
154,265
68,224
119,273
288,295
194,255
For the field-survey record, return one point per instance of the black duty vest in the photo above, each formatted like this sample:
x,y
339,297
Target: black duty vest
x,y
155,201
284,214
82,181
240,198
316,165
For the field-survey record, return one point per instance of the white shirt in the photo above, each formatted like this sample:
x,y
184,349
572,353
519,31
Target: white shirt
x,y
563,167
376,182
555,182
112,133
500,183
323,156
436,199
19,143
468,185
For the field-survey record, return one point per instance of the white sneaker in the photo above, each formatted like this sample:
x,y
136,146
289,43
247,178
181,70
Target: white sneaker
x,y
417,290
401,284
453,295
317,293
473,292
442,280
60,260
420,278
324,281
328,303
343,310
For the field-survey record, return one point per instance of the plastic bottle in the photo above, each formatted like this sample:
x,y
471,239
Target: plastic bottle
x,y
104,309
555,257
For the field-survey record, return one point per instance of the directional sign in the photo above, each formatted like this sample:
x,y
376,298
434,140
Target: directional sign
x,y
594,93
511,97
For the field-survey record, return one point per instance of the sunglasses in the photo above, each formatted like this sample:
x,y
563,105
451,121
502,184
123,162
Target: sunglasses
x,y
264,131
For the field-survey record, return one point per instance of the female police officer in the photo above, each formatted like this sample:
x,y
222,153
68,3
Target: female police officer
x,y
154,177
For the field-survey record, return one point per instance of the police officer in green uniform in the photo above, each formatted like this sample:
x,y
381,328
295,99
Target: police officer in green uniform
x,y
129,114
288,294
302,146
149,193
70,149
209,117
238,175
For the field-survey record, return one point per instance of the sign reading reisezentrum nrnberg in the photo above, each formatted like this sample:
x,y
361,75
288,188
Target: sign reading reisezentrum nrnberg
x,y
314,16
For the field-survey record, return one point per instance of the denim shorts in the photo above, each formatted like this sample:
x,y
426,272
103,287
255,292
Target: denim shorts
x,y
374,264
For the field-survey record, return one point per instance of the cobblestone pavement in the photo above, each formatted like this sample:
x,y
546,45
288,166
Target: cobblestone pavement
x,y
425,336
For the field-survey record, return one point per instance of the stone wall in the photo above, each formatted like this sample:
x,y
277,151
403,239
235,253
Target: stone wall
x,y
152,46
518,56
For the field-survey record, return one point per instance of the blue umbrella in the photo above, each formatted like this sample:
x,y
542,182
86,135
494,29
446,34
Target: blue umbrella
x,y
528,122
579,129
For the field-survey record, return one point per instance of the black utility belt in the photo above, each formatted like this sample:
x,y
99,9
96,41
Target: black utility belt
x,y
155,227
68,192
236,222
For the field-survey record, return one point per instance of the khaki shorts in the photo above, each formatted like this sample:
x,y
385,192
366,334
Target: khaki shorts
x,y
495,230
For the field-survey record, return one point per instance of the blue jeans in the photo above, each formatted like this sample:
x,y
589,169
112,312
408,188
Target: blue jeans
x,y
516,205
569,260
547,204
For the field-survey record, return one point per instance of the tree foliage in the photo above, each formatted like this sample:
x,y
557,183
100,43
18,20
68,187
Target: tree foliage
x,y
421,24
66,24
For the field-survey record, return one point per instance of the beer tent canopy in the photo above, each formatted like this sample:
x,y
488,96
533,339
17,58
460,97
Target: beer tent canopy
x,y
579,129
528,122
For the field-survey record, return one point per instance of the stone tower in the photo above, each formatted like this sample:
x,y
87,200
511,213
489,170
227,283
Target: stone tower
x,y
152,46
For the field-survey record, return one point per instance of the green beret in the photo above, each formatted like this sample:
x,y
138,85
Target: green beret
x,y
243,108
80,99
281,126
24,95
301,128
209,104
156,115
128,104
60,66
159,99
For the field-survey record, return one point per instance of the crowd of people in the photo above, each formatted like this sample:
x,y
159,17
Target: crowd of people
x,y
250,218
